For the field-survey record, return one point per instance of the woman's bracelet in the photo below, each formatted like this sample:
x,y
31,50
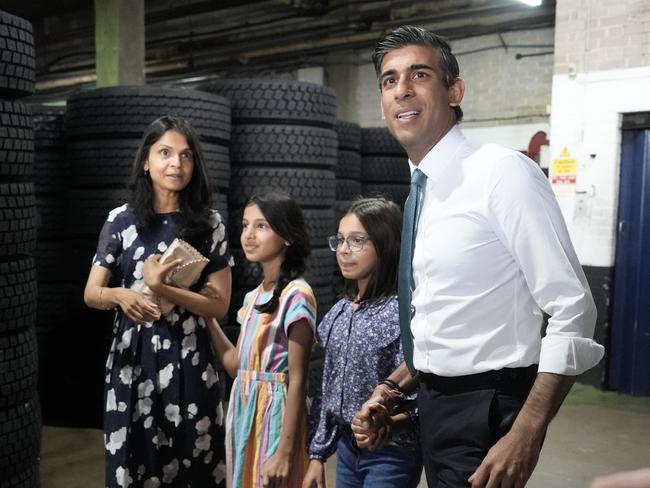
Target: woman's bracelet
x,y
392,385
101,303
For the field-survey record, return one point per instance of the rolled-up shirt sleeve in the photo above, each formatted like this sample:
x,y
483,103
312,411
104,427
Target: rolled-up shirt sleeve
x,y
527,219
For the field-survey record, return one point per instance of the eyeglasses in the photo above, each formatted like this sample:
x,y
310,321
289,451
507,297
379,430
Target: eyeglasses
x,y
355,242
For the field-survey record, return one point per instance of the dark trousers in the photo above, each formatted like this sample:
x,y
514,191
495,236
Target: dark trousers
x,y
462,417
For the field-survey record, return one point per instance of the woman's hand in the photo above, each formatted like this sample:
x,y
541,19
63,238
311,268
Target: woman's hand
x,y
136,307
210,290
315,476
275,472
154,272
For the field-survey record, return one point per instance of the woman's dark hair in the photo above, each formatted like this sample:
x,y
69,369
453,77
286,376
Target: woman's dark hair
x,y
285,218
194,199
408,35
382,220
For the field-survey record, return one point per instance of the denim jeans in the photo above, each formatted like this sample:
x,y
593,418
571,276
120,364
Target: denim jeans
x,y
390,467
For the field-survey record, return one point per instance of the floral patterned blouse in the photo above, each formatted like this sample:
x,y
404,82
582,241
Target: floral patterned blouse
x,y
362,348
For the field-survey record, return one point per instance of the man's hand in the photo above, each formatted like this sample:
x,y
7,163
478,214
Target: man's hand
x,y
509,463
372,425
628,479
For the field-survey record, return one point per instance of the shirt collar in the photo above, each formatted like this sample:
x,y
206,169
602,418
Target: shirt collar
x,y
440,155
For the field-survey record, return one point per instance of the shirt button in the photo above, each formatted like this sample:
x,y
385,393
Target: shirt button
x,y
412,311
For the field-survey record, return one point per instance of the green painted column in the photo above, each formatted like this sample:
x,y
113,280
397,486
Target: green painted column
x,y
119,42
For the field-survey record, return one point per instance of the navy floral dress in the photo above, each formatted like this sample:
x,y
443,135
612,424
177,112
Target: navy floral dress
x,y
163,419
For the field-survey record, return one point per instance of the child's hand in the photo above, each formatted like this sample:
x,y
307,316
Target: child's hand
x,y
315,476
275,473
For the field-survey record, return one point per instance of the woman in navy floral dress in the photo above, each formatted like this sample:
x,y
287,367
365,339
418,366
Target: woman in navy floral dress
x,y
361,337
163,419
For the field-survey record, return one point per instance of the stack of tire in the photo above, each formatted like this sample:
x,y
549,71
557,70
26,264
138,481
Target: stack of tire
x,y
348,166
282,139
103,129
384,167
51,178
20,417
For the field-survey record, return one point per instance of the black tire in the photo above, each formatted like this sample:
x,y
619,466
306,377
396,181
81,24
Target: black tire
x,y
284,145
385,169
81,252
395,193
347,190
320,224
319,269
50,262
127,111
18,368
51,220
49,130
18,292
109,162
377,140
324,298
20,442
348,165
51,172
273,101
87,209
17,219
310,188
17,62
16,139
28,477
349,135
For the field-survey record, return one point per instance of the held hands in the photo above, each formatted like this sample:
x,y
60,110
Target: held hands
x,y
509,463
372,424
154,272
275,472
315,476
209,290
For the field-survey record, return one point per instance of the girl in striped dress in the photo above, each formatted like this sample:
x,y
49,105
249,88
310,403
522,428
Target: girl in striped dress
x,y
266,421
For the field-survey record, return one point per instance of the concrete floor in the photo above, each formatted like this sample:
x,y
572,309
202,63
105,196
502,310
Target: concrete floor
x,y
594,433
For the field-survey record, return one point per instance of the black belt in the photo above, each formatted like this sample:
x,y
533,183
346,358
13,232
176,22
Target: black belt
x,y
516,381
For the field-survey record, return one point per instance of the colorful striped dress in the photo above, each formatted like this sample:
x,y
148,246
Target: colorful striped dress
x,y
259,393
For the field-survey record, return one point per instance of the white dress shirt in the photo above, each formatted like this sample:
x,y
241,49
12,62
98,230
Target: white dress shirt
x,y
492,249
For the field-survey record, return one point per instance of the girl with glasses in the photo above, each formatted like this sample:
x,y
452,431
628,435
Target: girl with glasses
x,y
361,337
267,417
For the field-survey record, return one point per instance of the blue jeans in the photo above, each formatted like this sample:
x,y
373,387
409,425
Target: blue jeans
x,y
390,467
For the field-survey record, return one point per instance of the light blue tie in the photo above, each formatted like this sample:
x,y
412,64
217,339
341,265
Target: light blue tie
x,y
405,281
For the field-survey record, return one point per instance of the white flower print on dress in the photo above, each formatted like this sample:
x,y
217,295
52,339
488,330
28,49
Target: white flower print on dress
x,y
173,414
122,477
137,272
148,422
170,471
125,342
187,463
219,472
196,358
165,376
126,375
115,212
202,443
138,253
162,247
188,345
111,403
152,483
128,236
210,376
116,440
192,410
189,326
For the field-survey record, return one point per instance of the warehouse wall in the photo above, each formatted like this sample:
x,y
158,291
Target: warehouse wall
x,y
506,99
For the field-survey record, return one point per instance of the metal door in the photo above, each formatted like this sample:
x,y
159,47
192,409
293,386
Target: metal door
x,y
629,354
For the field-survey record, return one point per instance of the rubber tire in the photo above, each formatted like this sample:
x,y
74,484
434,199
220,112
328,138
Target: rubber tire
x,y
17,59
273,101
49,129
17,219
87,209
284,145
20,443
349,135
348,165
53,310
18,368
51,221
51,172
377,140
18,292
309,187
385,169
16,139
347,190
109,162
127,111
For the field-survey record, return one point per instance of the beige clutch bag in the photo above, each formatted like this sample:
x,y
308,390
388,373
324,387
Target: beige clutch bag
x,y
182,276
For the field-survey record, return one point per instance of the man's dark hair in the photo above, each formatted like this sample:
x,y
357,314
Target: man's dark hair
x,y
408,35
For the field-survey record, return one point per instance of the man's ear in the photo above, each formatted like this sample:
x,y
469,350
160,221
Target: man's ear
x,y
456,92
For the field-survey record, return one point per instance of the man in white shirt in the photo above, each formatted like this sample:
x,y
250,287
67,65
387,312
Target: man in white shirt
x,y
491,250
